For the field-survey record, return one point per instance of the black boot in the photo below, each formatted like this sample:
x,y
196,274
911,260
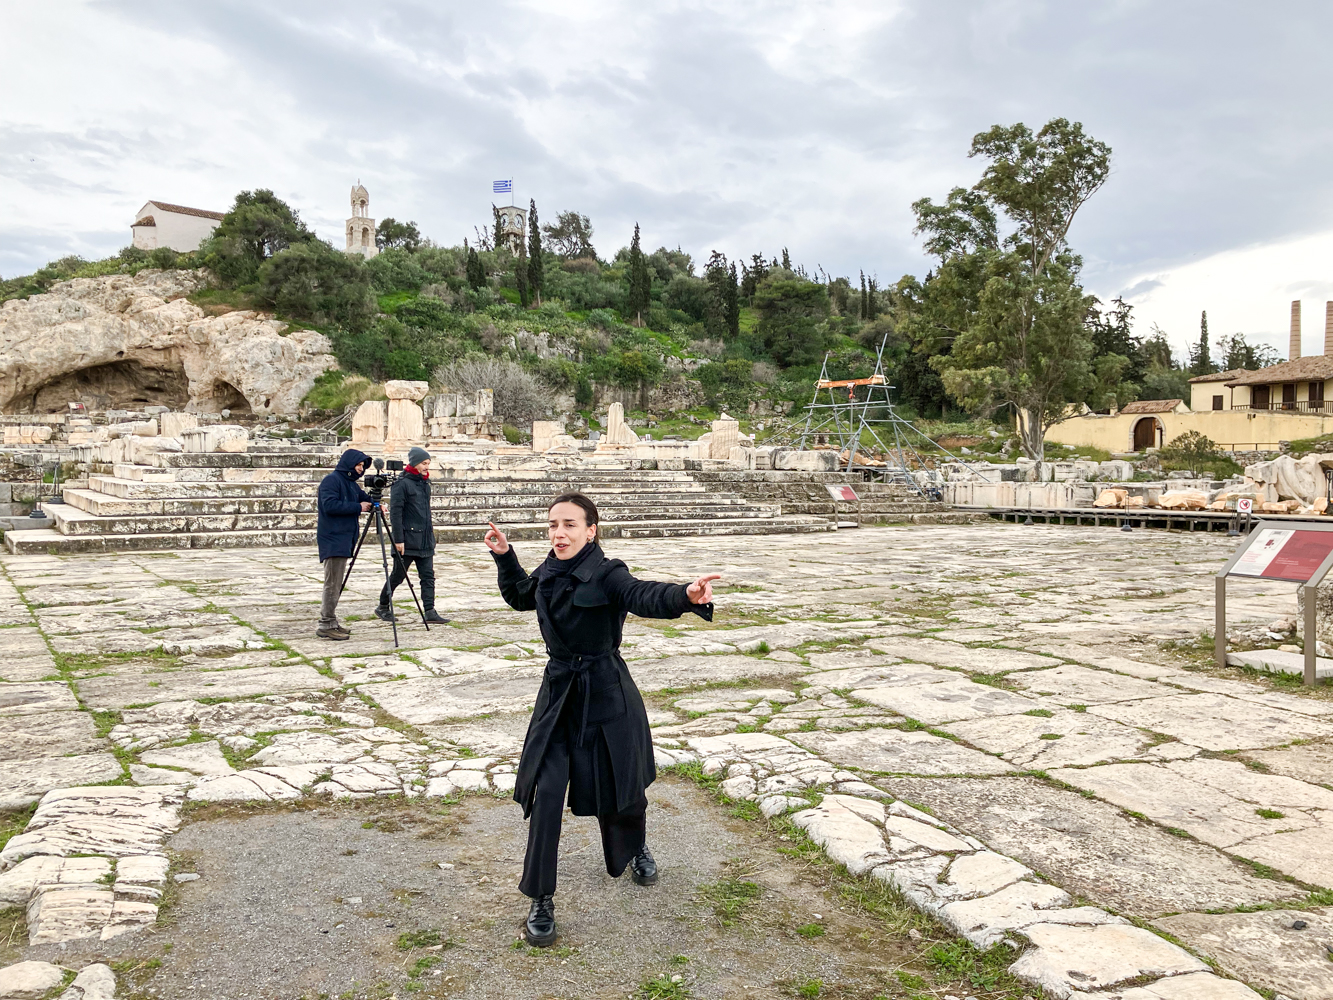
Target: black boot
x,y
433,617
644,868
539,931
385,613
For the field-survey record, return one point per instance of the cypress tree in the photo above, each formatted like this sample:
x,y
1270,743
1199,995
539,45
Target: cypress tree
x,y
872,307
865,304
1205,358
733,305
521,280
640,286
476,274
786,259
535,274
499,230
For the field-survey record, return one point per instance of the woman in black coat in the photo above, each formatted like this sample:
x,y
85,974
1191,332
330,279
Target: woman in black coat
x,y
589,729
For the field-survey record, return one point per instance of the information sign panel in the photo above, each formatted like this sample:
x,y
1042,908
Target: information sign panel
x,y
1284,554
841,492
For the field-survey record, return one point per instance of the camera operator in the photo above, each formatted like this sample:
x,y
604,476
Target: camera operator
x,y
341,504
413,536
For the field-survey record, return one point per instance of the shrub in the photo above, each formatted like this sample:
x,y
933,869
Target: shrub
x,y
336,389
314,282
519,396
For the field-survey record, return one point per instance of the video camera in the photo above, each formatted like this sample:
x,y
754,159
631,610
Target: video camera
x,y
376,483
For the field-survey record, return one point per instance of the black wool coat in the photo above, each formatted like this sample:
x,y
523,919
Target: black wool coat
x,y
409,514
581,621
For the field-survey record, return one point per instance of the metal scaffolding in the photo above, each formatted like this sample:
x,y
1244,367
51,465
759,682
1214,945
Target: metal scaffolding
x,y
861,428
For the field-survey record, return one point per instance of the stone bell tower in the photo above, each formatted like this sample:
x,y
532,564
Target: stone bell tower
x,y
513,227
361,227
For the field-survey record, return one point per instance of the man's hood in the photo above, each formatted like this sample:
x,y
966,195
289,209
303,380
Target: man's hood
x,y
349,461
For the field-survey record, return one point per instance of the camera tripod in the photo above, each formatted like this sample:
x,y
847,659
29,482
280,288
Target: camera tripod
x,y
376,517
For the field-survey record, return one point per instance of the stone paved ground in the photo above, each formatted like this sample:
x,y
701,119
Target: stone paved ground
x,y
1013,729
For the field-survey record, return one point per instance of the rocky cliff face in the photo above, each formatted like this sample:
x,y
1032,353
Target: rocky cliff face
x,y
121,341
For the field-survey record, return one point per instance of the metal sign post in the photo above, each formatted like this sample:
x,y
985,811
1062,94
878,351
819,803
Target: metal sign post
x,y
1273,551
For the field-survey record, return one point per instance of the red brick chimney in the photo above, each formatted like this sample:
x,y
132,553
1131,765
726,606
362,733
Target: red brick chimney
x,y
1294,351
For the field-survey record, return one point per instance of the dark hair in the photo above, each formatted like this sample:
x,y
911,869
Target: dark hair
x,y
579,500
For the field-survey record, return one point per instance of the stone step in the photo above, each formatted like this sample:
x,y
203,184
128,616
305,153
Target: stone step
x,y
50,541
70,520
106,505
138,489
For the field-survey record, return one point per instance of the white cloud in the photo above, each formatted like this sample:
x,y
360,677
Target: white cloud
x,y
1247,290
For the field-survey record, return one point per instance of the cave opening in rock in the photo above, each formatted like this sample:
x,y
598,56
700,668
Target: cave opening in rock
x,y
226,396
119,385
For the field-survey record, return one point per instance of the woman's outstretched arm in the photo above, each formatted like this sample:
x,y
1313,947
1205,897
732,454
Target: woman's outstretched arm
x,y
517,588
649,599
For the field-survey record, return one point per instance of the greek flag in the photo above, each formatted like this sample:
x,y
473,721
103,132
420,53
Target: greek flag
x,y
502,187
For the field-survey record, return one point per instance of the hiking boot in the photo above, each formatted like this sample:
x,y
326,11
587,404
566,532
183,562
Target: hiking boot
x,y
433,617
539,929
336,634
644,868
385,613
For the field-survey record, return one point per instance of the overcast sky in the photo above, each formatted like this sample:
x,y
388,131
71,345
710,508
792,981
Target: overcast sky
x,y
741,127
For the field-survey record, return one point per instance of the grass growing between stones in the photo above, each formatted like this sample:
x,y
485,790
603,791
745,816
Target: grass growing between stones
x,y
946,963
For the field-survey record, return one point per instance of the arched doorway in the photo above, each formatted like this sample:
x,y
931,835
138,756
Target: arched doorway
x,y
1145,434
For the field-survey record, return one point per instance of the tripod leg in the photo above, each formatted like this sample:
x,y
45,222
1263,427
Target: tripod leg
x,y
356,552
384,558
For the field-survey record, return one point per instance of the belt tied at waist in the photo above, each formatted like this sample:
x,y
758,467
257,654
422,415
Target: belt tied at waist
x,y
579,665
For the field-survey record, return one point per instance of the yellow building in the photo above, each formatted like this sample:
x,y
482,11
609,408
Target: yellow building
x,y
1239,410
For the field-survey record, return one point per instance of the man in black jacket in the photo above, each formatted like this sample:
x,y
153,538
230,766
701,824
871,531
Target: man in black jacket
x,y
341,504
413,536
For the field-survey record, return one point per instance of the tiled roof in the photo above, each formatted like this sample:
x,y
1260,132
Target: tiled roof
x,y
147,220
1314,367
1151,406
202,213
1235,373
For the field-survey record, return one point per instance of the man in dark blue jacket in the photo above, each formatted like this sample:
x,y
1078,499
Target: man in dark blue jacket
x,y
341,504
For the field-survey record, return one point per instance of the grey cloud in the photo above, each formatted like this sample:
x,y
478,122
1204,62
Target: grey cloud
x,y
1215,112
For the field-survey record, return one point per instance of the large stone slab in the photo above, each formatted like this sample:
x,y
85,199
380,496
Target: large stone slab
x,y
1216,722
893,751
435,699
47,734
1303,854
1063,959
947,701
1172,799
1108,659
1071,684
200,758
1308,762
1263,948
23,782
1090,847
881,675
121,692
24,655
37,696
224,638
1062,739
116,821
1190,986
982,659
691,671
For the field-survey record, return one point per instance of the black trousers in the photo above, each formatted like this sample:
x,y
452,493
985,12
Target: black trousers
x,y
622,833
425,572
